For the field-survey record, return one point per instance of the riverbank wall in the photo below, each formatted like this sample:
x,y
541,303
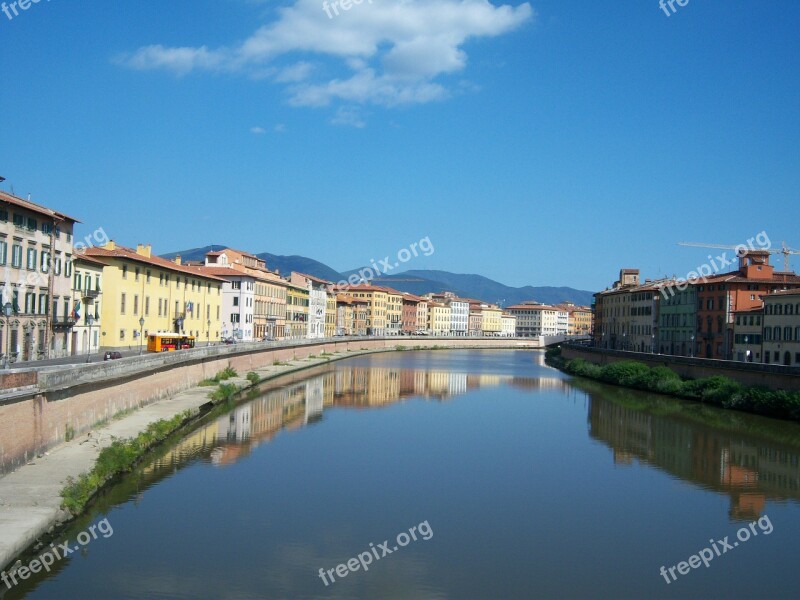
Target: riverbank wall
x,y
774,377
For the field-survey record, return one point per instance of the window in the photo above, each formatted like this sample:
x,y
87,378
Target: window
x,y
47,228
136,274
236,301
68,266
3,252
19,220
124,271
31,264
16,256
148,275
122,304
57,266
43,304
45,261
135,304
787,334
78,281
30,303
3,215
32,224
776,335
121,334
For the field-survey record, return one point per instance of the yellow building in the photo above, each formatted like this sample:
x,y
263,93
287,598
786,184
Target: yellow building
x,y
330,315
492,319
394,311
378,299
297,300
439,318
167,295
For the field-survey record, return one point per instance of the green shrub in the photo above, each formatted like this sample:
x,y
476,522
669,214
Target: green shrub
x,y
253,377
224,392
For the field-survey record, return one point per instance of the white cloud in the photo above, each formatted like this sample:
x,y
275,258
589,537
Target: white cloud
x,y
258,130
280,128
348,115
395,50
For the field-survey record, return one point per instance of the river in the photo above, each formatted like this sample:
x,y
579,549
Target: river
x,y
446,474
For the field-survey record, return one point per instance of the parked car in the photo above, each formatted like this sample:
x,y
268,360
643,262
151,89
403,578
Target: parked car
x,y
229,340
112,355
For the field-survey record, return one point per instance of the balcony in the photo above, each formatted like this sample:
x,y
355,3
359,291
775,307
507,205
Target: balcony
x,y
91,294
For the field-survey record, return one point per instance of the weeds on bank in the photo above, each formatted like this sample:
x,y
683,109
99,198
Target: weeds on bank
x,y
120,457
715,391
223,375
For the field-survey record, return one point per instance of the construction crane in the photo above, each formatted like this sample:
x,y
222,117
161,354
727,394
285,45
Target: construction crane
x,y
784,249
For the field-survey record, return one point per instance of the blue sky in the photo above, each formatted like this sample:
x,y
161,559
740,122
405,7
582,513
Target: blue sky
x,y
544,143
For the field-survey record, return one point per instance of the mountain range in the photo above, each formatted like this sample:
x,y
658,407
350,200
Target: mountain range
x,y
417,281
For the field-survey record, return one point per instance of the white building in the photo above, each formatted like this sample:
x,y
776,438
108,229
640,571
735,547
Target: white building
x,y
535,319
36,253
317,302
87,296
238,302
508,325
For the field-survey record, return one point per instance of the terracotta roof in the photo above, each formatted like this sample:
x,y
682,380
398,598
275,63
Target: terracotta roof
x,y
32,206
782,293
91,260
313,278
155,261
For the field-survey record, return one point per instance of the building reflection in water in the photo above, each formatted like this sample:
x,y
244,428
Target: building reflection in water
x,y
748,469
226,439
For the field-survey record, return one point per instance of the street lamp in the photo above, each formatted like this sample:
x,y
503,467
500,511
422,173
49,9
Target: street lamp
x,y
208,332
141,327
624,338
691,349
8,308
653,343
90,322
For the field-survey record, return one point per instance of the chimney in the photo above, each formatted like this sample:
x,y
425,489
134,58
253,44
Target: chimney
x,y
110,245
178,260
143,250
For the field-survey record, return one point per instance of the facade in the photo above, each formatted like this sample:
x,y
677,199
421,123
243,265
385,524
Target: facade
x,y
491,323
677,321
508,325
330,314
409,324
579,319
297,301
377,305
459,311
238,303
317,302
167,295
720,297
394,311
438,318
87,295
748,328
269,313
534,319
36,255
781,334
351,315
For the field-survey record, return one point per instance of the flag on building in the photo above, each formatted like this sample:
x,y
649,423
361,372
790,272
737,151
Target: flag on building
x,y
76,312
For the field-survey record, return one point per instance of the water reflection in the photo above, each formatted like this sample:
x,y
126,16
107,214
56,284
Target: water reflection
x,y
232,436
747,469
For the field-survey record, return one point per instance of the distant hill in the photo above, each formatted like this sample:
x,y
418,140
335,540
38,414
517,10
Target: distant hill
x,y
482,288
417,281
284,264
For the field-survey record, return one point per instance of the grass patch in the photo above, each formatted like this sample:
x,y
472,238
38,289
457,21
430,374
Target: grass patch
x,y
253,377
120,457
69,433
714,391
223,375
224,392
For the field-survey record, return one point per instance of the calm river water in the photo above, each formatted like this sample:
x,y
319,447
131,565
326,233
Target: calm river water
x,y
448,474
